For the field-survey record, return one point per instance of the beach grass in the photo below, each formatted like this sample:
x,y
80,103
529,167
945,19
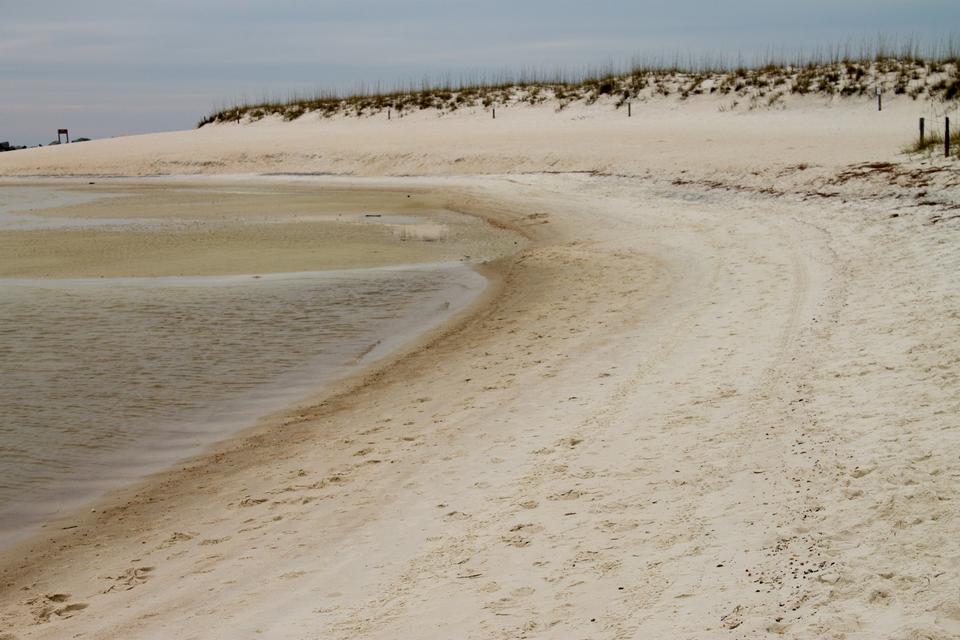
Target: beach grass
x,y
857,69
933,142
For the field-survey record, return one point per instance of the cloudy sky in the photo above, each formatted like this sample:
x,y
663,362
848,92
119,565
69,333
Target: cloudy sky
x,y
111,67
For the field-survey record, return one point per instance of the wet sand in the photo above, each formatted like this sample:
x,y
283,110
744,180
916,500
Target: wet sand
x,y
169,229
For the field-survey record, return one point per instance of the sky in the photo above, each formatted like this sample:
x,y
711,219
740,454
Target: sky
x,y
104,68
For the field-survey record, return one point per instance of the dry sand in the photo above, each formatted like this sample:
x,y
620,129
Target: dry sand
x,y
715,396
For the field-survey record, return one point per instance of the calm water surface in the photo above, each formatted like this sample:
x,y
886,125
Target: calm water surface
x,y
105,380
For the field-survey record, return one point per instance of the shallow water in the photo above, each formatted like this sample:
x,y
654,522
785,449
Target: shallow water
x,y
106,380
17,205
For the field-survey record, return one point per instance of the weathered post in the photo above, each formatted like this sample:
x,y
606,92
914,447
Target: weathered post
x,y
629,113
946,138
921,132
494,113
879,99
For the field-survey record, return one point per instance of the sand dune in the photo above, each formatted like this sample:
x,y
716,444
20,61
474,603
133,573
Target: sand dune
x,y
715,396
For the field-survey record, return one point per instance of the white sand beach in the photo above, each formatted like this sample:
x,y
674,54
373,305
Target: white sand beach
x,y
714,396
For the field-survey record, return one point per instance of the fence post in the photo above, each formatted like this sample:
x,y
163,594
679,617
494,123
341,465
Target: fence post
x,y
921,132
388,114
946,138
629,110
494,113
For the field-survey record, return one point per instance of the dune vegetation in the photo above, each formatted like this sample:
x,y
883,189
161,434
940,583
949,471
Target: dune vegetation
x,y
933,140
931,73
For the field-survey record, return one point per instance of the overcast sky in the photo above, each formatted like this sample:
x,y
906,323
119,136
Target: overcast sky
x,y
111,67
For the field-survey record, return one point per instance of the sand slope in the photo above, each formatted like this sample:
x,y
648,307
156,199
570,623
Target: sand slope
x,y
701,135
719,403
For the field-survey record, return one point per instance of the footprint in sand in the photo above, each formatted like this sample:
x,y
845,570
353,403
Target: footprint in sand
x,y
521,535
129,579
572,494
45,607
175,537
292,575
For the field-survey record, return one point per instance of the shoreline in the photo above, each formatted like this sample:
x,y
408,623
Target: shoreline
x,y
375,363
191,434
83,529
225,278
371,359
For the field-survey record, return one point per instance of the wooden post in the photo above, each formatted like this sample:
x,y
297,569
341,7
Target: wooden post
x,y
629,113
494,113
388,114
946,138
921,132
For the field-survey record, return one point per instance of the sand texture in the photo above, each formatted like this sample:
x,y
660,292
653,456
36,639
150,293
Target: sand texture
x,y
714,396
